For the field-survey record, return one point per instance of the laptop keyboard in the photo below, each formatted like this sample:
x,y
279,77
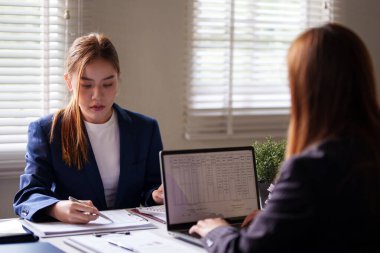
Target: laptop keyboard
x,y
186,232
185,236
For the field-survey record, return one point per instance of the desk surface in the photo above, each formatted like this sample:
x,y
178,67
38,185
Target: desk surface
x,y
159,231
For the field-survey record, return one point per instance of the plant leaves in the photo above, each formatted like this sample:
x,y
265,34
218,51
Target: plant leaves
x,y
269,156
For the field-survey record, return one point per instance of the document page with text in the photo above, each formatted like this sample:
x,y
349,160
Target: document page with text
x,y
121,220
210,184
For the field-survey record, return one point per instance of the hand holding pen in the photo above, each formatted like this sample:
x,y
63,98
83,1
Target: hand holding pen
x,y
70,211
91,213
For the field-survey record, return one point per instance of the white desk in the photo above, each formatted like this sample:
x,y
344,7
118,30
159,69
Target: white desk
x,y
159,231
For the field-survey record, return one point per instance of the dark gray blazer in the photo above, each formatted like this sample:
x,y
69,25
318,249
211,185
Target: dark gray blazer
x,y
322,202
47,179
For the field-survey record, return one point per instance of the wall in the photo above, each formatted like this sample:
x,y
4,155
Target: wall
x,y
150,38
8,188
363,17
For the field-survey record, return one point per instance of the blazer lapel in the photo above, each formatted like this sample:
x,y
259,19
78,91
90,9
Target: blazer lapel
x,y
126,155
93,176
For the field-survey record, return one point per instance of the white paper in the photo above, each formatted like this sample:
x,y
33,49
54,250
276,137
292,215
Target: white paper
x,y
92,244
122,220
141,242
11,226
160,216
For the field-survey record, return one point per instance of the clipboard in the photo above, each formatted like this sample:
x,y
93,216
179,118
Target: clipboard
x,y
122,220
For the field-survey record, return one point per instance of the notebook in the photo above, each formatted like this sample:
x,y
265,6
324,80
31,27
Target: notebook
x,y
203,183
12,231
121,220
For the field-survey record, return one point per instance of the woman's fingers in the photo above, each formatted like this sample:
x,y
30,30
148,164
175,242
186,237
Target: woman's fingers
x,y
158,195
203,227
73,212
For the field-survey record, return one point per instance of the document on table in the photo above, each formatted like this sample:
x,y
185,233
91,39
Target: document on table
x,y
12,231
141,242
11,226
122,221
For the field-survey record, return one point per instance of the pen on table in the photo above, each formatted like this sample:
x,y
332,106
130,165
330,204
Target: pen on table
x,y
100,214
112,233
122,245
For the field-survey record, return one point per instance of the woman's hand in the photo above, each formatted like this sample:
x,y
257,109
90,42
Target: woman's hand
x,y
158,195
73,212
203,227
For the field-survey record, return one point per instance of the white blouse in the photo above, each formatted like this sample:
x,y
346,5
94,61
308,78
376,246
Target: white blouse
x,y
105,143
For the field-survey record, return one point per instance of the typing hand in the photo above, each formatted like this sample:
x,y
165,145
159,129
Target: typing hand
x,y
69,211
203,227
158,195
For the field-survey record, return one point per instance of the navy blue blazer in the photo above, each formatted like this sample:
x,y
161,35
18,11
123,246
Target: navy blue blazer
x,y
47,179
327,199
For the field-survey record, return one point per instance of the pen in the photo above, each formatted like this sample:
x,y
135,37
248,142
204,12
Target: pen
x,y
122,245
109,233
100,214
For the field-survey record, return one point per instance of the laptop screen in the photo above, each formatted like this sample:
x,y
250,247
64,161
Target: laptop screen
x,y
204,183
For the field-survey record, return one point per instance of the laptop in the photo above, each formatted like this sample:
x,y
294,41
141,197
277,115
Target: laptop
x,y
204,183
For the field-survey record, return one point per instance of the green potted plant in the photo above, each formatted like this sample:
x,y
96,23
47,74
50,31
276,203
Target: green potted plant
x,y
269,156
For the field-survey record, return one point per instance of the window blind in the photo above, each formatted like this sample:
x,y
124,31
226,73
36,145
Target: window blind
x,y
34,35
237,82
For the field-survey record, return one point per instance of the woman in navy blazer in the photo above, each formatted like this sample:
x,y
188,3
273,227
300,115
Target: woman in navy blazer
x,y
327,196
92,150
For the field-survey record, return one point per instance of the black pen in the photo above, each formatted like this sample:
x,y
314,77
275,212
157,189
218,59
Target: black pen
x,y
100,214
112,233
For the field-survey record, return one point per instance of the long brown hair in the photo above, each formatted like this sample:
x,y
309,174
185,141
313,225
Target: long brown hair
x,y
333,88
83,51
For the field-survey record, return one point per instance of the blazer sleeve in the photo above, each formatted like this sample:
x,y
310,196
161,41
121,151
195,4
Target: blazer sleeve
x,y
153,174
35,192
284,223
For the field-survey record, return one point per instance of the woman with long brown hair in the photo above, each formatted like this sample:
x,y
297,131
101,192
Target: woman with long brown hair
x,y
93,149
327,196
